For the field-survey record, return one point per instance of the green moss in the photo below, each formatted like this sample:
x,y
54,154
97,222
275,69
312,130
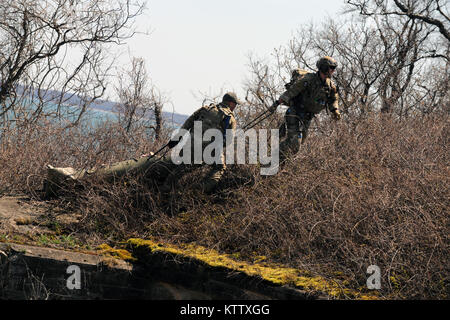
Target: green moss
x,y
277,274
395,282
122,254
65,241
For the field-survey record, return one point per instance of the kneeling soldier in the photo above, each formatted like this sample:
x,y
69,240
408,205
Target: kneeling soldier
x,y
215,116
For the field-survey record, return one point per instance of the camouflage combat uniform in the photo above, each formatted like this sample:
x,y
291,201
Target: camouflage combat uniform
x,y
212,117
306,97
219,117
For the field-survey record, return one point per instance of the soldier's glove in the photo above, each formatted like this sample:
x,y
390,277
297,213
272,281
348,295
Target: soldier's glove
x,y
274,106
336,114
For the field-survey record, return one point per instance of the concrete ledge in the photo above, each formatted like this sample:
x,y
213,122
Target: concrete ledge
x,y
151,271
220,276
28,272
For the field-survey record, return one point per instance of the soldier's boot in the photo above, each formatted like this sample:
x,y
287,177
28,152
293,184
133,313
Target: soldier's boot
x,y
211,181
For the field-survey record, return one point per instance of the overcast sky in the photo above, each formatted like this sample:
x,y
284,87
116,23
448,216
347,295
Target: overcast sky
x,y
203,45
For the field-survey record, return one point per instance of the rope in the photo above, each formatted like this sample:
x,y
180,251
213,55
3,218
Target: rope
x,y
150,157
255,121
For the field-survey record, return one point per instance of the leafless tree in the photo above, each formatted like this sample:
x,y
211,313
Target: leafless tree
x,y
385,63
435,13
140,102
262,88
411,32
56,53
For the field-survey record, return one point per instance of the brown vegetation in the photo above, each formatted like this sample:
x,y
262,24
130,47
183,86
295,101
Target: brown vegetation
x,y
370,190
360,193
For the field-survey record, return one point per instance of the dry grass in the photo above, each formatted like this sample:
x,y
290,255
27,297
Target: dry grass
x,y
365,192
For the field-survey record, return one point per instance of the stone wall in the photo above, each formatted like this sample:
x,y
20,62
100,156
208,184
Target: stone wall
x,y
28,272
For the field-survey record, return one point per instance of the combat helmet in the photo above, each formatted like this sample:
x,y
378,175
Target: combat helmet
x,y
232,97
297,73
324,63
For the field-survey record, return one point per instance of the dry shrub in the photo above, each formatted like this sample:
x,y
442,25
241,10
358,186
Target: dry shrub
x,y
373,191
25,150
369,192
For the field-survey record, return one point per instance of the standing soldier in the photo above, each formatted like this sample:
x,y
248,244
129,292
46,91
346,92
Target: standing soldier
x,y
307,95
214,116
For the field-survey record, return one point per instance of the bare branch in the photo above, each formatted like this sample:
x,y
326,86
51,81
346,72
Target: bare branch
x,y
41,41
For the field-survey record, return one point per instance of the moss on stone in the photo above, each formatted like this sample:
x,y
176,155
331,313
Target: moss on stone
x,y
122,254
276,274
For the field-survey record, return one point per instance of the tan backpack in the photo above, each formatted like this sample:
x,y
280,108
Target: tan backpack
x,y
295,76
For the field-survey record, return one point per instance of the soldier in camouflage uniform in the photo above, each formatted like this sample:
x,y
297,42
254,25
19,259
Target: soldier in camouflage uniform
x,y
214,116
307,96
218,116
